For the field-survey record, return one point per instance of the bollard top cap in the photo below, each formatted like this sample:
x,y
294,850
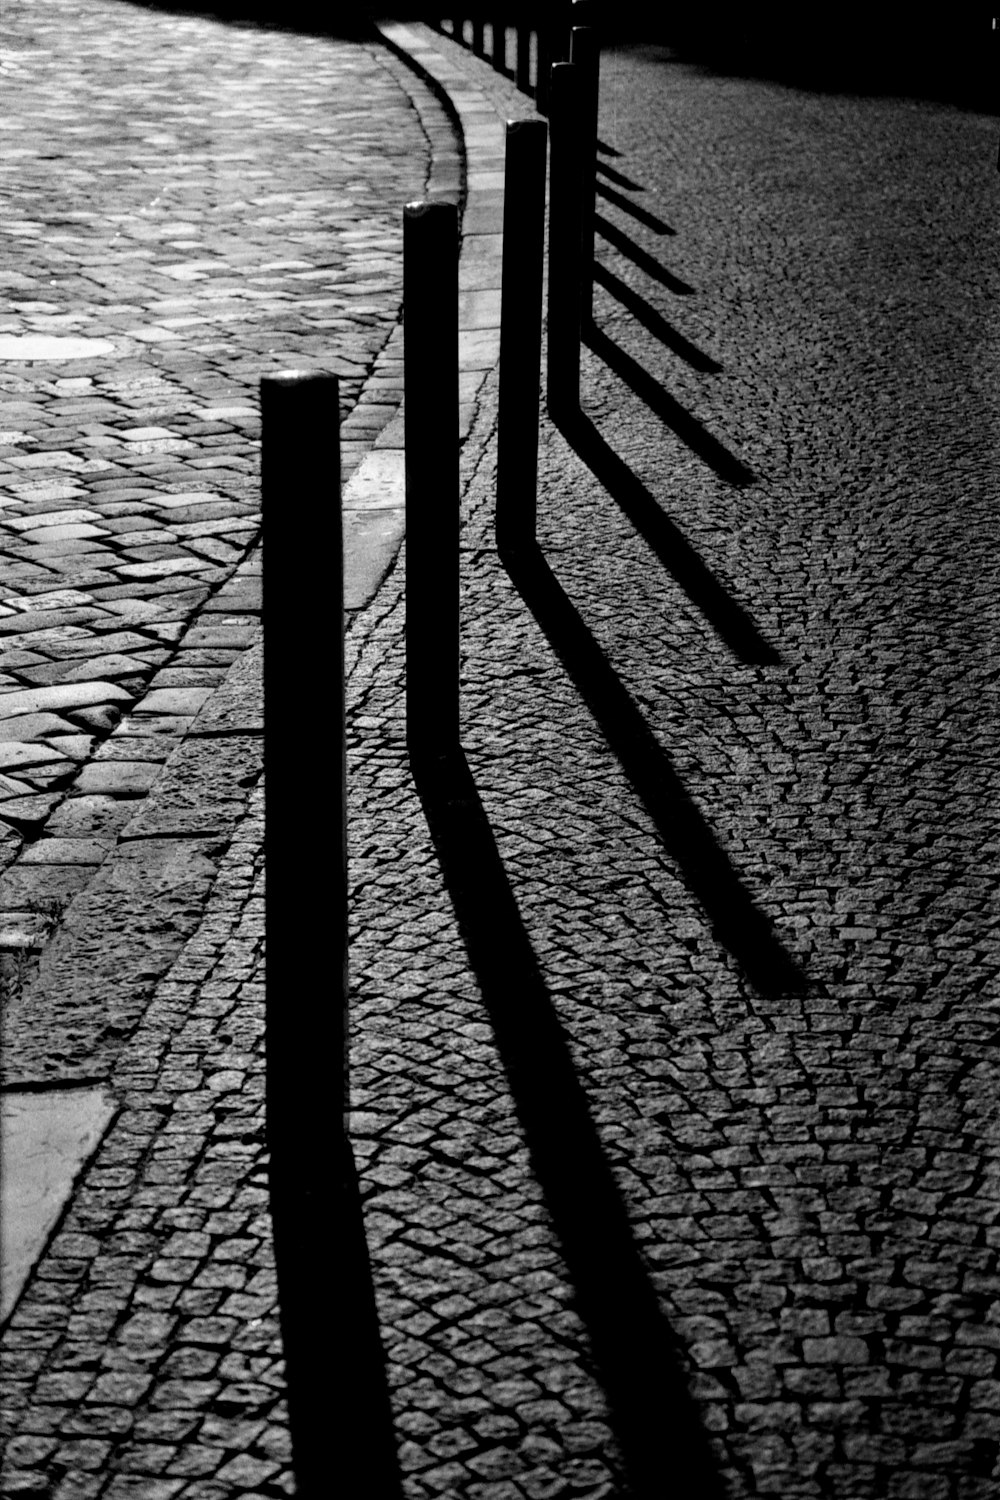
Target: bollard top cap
x,y
285,378
427,206
526,127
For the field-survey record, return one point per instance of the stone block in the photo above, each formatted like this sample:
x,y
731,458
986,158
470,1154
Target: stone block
x,y
201,790
26,701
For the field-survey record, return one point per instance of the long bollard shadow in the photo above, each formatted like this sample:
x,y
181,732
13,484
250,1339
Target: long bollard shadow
x,y
728,619
654,322
653,1418
645,262
637,212
613,175
736,922
370,1463
668,409
308,1242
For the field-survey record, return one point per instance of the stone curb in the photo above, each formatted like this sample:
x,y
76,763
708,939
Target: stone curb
x,y
374,497
373,506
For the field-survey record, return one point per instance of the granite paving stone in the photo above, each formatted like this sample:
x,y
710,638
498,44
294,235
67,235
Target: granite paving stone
x,y
673,1079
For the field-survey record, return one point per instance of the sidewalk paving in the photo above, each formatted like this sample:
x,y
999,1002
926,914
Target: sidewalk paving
x,y
199,205
674,1098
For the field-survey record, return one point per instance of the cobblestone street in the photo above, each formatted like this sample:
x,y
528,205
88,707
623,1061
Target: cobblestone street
x,y
674,1009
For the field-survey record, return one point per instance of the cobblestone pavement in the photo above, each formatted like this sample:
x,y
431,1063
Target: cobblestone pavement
x,y
673,1011
195,205
718,1091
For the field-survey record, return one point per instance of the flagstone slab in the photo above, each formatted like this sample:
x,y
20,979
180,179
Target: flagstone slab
x,y
45,346
46,1138
60,696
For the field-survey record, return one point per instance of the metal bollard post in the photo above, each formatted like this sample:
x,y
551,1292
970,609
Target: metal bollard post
x,y
543,67
499,55
560,24
585,53
522,64
565,184
305,1030
430,379
520,333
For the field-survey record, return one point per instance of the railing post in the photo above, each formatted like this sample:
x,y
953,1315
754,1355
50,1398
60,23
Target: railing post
x,y
520,333
565,185
305,1024
585,53
430,380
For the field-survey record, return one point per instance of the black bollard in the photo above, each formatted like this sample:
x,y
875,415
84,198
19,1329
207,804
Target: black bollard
x,y
522,63
430,378
520,333
565,204
499,53
305,1022
585,54
543,67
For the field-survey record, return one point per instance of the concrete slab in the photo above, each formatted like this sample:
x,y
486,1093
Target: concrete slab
x,y
31,346
378,482
46,1138
371,541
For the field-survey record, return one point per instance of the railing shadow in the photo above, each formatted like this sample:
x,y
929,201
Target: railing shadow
x,y
638,1366
653,322
728,619
663,405
737,924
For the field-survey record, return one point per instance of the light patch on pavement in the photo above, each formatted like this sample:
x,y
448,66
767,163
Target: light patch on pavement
x,y
51,346
45,1140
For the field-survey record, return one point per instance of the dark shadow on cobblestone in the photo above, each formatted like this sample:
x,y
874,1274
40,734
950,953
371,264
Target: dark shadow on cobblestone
x,y
637,212
638,1360
669,411
885,54
651,320
652,268
619,177
352,22
687,839
341,1418
727,618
